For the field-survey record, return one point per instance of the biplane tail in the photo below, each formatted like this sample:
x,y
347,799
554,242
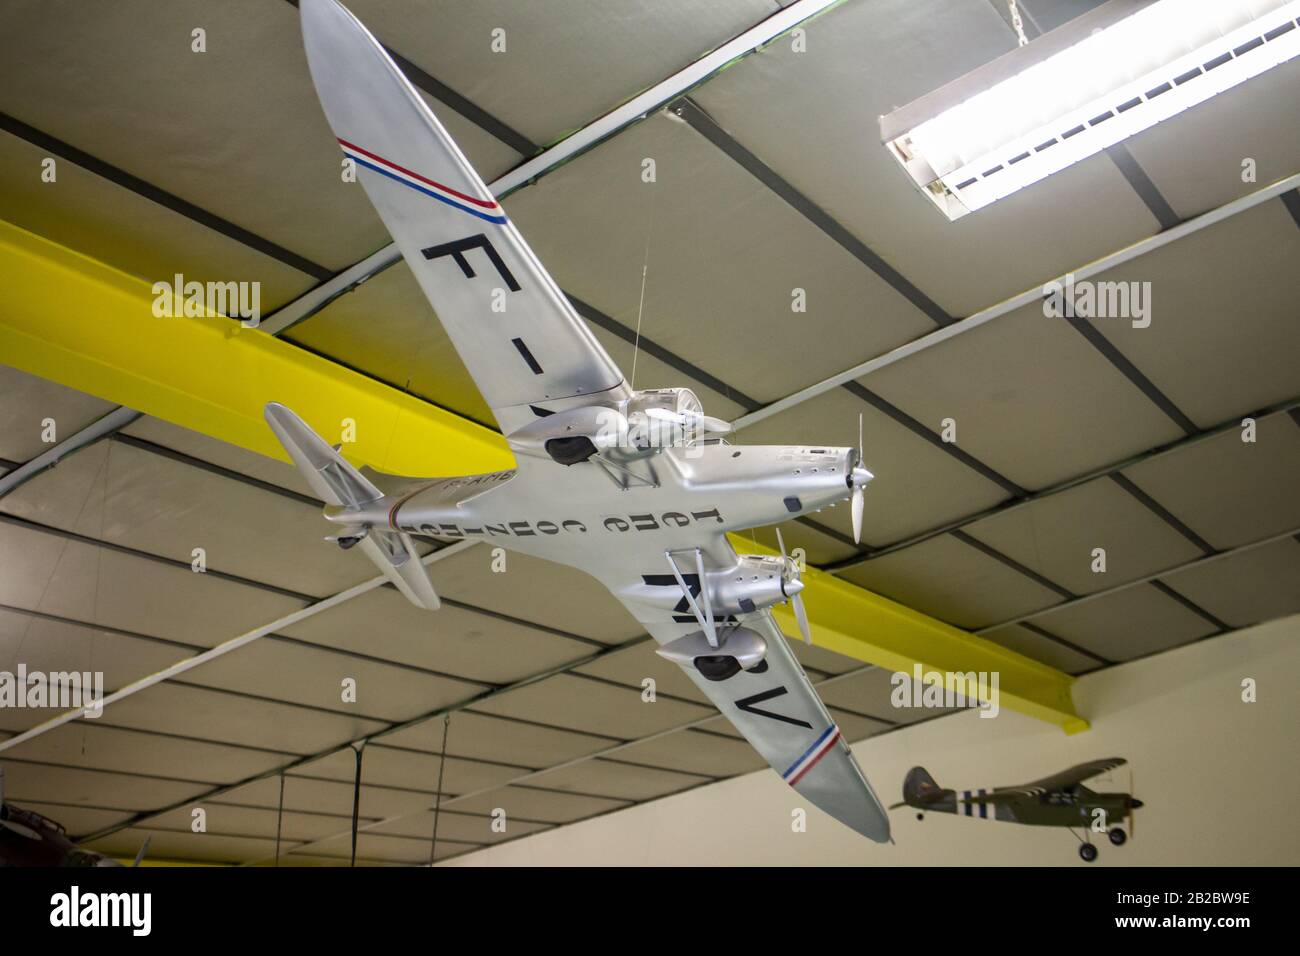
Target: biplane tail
x,y
354,499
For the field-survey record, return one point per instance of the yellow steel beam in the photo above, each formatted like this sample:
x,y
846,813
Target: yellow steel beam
x,y
76,321
853,621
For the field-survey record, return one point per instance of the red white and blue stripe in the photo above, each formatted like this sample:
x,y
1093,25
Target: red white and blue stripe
x,y
821,746
486,209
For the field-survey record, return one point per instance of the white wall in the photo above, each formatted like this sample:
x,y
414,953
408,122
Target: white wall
x,y
1219,778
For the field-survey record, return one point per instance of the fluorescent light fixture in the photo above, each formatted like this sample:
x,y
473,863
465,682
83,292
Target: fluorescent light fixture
x,y
1099,79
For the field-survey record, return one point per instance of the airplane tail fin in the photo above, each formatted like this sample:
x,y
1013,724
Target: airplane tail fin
x,y
347,491
918,785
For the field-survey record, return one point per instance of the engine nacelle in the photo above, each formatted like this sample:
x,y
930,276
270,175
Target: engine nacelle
x,y
753,583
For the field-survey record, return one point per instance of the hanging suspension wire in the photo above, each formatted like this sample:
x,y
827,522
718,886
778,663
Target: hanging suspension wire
x,y
437,798
1016,22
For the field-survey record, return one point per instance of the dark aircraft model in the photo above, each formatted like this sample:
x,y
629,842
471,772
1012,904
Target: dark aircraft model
x,y
29,839
1060,800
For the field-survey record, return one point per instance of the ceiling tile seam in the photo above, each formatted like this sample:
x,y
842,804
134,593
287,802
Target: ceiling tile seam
x,y
227,576
706,126
416,752
1040,579
1069,645
863,715
161,197
567,793
650,766
102,770
274,638
1199,561
1146,190
918,429
467,109
218,789
281,702
537,723
1291,200
1291,405
162,451
521,781
653,349
1163,513
103,724
1219,625
305,598
1132,373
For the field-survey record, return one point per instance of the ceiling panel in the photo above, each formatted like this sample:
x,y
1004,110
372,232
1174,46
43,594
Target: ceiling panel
x,y
87,213
46,646
1229,491
814,118
556,72
224,819
121,494
26,783
1056,536
916,486
202,713
452,640
457,827
871,693
304,675
86,583
202,125
608,778
694,751
389,767
1223,334
1244,589
387,328
548,806
1130,623
387,848
486,737
634,665
953,581
219,453
28,402
1024,641
1256,120
86,744
554,595
327,797
569,701
1030,398
725,256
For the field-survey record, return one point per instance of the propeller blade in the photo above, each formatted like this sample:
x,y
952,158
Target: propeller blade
x,y
717,426
144,848
859,436
801,616
780,542
857,513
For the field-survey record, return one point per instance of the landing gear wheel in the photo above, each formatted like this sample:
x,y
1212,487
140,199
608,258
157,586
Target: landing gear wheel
x,y
1117,836
716,667
1088,852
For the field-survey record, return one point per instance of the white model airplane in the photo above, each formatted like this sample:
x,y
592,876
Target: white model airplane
x,y
623,485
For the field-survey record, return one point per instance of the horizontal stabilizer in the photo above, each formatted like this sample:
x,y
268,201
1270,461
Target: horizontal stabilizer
x,y
332,479
340,485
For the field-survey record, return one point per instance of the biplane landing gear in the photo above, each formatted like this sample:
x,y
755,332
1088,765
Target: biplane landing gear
x,y
1088,852
1117,836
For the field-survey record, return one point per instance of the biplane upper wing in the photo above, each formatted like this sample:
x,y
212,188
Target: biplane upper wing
x,y
1067,779
512,326
781,716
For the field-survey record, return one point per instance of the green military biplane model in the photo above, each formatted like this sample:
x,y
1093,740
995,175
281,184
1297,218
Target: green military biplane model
x,y
1060,800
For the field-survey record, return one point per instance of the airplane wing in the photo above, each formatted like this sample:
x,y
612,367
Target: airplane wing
x,y
511,325
1074,776
782,717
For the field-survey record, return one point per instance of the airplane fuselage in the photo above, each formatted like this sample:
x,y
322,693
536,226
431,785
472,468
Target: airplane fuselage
x,y
659,501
